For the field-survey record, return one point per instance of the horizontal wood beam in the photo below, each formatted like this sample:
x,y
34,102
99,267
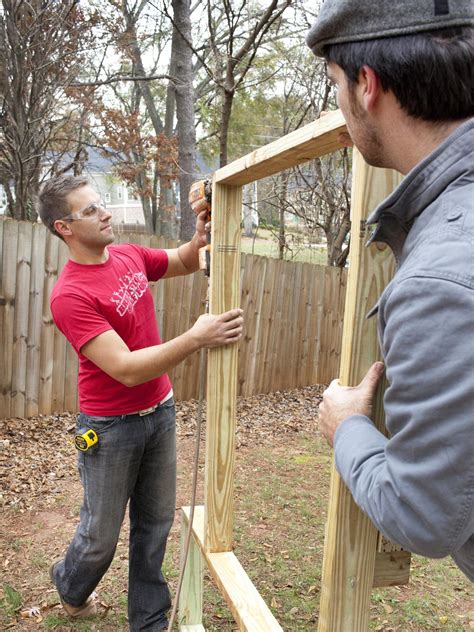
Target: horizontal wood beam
x,y
311,141
247,606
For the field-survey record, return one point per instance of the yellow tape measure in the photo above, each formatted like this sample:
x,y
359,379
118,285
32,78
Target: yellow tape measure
x,y
85,439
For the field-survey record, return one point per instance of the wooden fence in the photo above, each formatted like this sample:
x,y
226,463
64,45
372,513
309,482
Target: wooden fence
x,y
293,323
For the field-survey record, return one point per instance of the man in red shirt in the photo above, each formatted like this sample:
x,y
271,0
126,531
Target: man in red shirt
x,y
103,305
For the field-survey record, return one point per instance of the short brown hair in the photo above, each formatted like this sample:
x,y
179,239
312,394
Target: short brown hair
x,y
52,198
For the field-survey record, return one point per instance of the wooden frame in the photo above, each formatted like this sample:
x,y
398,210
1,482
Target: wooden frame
x,y
354,561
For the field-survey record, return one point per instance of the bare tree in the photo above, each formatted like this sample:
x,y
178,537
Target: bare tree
x,y
318,192
322,201
178,102
42,45
184,94
158,210
235,32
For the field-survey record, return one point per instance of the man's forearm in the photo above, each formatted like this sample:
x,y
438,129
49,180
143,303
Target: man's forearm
x,y
189,253
142,365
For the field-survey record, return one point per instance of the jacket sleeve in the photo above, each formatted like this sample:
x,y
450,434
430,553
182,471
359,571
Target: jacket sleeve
x,y
418,485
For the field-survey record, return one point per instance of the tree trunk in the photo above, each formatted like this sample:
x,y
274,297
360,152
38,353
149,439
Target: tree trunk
x,y
336,256
186,130
159,219
282,207
248,206
136,56
167,199
228,98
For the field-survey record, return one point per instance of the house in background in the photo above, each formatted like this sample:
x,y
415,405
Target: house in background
x,y
126,208
119,198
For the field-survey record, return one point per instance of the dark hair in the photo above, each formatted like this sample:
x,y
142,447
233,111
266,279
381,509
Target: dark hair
x,y
52,198
431,74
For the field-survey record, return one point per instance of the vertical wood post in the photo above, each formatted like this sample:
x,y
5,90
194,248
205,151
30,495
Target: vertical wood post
x,y
190,599
224,294
351,538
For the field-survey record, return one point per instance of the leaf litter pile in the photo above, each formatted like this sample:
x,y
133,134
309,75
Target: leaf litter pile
x,y
38,468
37,454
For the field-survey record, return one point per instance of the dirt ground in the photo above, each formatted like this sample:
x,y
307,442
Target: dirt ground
x,y
281,491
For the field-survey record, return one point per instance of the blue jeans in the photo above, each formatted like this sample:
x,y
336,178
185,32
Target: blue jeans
x,y
135,460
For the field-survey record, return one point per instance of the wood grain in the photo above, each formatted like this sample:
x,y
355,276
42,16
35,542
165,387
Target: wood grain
x,y
224,294
308,142
351,538
247,606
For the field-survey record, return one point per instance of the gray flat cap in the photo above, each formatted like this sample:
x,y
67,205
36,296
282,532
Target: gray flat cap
x,y
358,20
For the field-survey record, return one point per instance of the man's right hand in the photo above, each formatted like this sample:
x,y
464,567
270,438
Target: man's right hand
x,y
214,331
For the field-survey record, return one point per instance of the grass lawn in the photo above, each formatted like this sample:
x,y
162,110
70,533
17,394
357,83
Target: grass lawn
x,y
265,244
281,495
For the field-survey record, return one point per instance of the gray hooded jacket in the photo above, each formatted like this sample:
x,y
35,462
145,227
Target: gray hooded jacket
x,y
418,485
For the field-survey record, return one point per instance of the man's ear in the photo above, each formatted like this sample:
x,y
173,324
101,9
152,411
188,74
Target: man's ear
x,y
62,228
370,87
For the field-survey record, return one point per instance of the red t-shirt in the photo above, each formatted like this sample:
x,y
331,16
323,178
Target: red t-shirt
x,y
88,300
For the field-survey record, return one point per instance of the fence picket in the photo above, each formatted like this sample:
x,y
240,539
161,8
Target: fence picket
x,y
20,332
8,293
37,279
47,326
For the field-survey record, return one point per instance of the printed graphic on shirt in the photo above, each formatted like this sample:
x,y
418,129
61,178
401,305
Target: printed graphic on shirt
x,y
132,286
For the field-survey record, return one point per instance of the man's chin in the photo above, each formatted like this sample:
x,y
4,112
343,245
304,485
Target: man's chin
x,y
108,235
375,161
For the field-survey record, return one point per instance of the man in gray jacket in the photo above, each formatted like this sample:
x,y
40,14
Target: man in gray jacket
x,y
404,75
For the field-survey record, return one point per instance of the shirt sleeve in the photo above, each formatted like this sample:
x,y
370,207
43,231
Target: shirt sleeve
x,y
418,486
155,261
77,318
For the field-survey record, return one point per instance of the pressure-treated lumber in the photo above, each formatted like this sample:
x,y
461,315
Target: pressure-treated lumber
x,y
224,294
311,141
248,608
391,569
190,598
351,538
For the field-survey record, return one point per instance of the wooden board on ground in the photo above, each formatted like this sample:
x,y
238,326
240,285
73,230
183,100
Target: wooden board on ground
x,y
391,568
247,606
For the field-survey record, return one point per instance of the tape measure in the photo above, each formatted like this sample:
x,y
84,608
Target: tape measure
x,y
85,439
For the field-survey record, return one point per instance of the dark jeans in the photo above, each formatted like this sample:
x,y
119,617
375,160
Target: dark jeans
x,y
135,460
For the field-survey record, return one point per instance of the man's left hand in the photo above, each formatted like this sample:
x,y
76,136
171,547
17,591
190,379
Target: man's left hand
x,y
203,226
340,402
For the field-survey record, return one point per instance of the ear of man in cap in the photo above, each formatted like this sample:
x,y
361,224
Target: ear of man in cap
x,y
358,20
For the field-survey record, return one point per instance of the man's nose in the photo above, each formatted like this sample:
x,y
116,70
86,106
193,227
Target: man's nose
x,y
104,212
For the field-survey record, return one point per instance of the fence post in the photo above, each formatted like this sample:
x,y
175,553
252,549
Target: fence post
x,y
351,538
